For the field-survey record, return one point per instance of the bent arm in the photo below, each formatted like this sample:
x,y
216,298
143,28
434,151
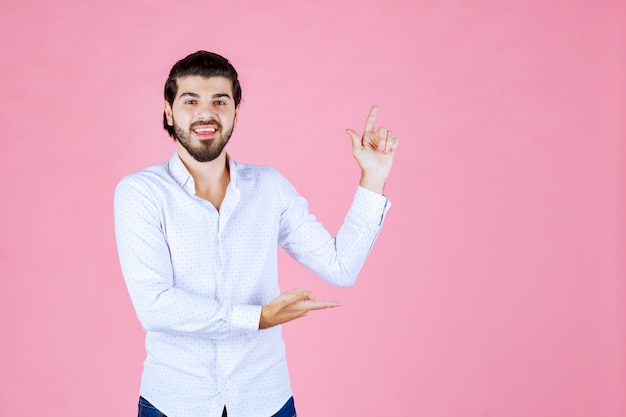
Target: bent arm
x,y
338,260
147,269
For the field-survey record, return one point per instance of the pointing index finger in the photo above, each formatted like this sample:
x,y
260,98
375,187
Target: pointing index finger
x,y
371,119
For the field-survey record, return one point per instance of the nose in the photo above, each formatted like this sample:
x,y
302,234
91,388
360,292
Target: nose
x,y
205,112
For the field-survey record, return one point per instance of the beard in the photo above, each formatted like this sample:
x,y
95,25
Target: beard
x,y
206,150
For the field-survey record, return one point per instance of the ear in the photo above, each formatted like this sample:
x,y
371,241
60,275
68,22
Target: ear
x,y
168,113
236,115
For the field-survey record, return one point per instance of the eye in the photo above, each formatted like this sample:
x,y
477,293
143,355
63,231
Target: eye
x,y
190,101
220,102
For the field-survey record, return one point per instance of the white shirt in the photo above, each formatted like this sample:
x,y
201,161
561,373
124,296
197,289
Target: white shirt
x,y
198,279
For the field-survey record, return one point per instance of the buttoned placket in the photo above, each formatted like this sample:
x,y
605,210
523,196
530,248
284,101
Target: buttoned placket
x,y
228,206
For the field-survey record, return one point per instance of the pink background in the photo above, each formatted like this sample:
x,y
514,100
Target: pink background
x,y
496,287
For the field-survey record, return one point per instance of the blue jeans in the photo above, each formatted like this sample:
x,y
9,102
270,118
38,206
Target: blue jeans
x,y
148,410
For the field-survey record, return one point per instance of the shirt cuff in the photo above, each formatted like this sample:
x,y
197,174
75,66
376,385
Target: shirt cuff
x,y
245,317
369,207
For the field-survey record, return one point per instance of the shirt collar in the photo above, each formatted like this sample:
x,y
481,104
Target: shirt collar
x,y
181,175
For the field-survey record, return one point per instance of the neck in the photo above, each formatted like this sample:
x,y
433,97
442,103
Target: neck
x,y
211,178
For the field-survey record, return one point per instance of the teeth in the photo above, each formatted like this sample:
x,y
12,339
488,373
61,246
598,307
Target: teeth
x,y
205,129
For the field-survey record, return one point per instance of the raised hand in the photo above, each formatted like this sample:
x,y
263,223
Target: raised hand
x,y
291,305
374,152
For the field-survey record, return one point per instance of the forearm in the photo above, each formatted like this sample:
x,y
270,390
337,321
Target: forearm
x,y
176,311
359,231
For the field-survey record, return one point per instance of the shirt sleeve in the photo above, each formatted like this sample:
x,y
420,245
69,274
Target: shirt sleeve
x,y
337,259
146,266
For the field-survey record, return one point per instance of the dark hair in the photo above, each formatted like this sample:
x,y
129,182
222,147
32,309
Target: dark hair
x,y
205,64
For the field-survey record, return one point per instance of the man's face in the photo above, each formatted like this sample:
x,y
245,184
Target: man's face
x,y
203,115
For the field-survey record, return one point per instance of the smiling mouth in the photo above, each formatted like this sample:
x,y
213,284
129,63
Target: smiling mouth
x,y
205,130
209,129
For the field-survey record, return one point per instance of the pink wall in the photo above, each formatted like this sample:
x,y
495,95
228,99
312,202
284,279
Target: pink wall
x,y
497,285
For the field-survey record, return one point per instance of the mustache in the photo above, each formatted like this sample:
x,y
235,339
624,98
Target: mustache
x,y
215,123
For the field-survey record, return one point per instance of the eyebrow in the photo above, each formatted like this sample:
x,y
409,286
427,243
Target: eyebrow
x,y
196,95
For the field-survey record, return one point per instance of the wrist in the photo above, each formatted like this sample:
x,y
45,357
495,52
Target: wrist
x,y
375,183
263,320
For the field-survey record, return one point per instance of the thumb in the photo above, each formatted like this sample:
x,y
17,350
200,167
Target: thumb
x,y
293,296
356,139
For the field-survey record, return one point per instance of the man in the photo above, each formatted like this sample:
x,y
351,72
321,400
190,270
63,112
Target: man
x,y
197,239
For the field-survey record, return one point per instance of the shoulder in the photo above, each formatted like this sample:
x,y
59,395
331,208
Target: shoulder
x,y
248,173
144,181
264,182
